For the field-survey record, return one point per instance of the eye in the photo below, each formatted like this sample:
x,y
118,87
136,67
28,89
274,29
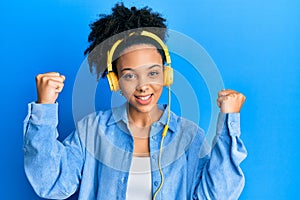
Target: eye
x,y
153,74
129,76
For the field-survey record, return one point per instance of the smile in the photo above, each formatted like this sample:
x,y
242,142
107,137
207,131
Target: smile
x,y
144,99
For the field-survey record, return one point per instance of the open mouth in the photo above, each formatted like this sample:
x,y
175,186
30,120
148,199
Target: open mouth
x,y
145,99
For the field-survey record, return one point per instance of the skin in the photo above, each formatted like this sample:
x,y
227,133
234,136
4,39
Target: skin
x,y
140,75
140,71
49,85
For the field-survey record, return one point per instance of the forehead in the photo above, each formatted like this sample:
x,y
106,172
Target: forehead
x,y
139,55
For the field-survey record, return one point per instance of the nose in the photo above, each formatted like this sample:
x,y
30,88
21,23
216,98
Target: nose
x,y
142,88
143,84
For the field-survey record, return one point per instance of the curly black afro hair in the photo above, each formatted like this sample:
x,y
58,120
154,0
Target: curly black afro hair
x,y
108,28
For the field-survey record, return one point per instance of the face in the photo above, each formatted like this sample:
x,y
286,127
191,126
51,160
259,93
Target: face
x,y
140,71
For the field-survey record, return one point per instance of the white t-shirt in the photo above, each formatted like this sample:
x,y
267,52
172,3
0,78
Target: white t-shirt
x,y
139,181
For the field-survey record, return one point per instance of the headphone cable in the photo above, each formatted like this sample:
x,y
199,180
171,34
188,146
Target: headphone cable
x,y
161,145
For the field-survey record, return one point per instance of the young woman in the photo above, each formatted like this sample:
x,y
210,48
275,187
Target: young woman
x,y
140,150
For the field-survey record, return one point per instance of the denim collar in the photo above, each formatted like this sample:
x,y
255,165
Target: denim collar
x,y
120,114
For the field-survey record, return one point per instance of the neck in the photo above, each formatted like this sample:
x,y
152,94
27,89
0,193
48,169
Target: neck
x,y
143,119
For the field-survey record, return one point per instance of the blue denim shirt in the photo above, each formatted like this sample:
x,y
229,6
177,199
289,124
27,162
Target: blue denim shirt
x,y
95,159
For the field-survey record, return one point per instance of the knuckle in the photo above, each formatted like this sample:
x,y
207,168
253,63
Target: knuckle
x,y
38,77
222,92
54,73
44,78
241,96
244,98
49,82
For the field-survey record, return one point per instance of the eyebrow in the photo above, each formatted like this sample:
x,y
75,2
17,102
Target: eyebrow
x,y
131,69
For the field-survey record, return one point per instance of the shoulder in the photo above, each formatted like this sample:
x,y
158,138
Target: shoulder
x,y
185,137
184,124
95,119
186,129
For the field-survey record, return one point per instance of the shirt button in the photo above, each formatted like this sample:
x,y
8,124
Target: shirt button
x,y
124,179
153,138
155,183
195,196
153,157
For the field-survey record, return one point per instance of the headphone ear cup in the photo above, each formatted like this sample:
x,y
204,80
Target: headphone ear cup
x,y
168,76
113,81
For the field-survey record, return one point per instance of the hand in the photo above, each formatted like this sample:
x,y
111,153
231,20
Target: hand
x,y
49,85
230,101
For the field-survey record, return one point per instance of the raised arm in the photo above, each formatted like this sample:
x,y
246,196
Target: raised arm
x,y
53,168
222,177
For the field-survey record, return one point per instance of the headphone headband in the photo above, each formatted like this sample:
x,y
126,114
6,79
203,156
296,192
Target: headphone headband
x,y
111,52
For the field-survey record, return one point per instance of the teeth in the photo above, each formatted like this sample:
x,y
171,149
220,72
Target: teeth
x,y
145,98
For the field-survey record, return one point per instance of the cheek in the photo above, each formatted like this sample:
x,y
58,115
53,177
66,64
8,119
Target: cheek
x,y
158,88
127,88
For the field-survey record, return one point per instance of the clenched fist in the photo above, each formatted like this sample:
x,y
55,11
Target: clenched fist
x,y
49,85
230,101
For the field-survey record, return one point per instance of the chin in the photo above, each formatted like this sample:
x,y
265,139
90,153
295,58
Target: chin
x,y
143,108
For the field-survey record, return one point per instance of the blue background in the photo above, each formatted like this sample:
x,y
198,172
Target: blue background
x,y
255,45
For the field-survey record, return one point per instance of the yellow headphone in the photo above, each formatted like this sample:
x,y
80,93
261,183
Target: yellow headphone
x,y
111,75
